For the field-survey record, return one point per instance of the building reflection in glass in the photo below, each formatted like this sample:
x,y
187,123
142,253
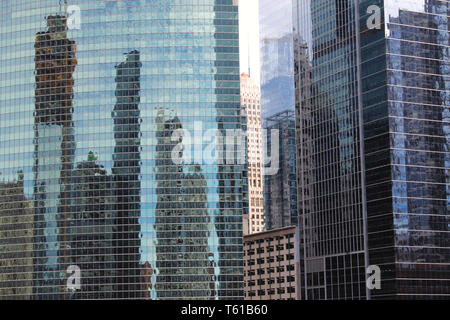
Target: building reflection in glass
x,y
54,151
126,175
415,119
95,206
280,189
328,130
91,229
184,269
278,110
16,236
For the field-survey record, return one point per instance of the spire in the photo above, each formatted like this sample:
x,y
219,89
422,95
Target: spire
x,y
60,7
248,52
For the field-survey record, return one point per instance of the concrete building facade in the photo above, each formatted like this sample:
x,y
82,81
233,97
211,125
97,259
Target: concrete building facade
x,y
272,263
251,107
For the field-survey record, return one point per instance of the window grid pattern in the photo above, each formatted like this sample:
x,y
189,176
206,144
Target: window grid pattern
x,y
329,154
87,179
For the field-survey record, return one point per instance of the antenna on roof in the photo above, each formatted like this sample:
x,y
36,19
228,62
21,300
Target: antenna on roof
x,y
60,7
248,53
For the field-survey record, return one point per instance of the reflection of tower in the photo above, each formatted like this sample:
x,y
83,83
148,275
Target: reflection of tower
x,y
437,159
55,63
126,172
185,270
328,137
90,230
16,227
303,116
280,189
277,85
146,274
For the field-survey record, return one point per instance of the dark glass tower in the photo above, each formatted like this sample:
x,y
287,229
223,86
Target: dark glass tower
x,y
405,91
371,129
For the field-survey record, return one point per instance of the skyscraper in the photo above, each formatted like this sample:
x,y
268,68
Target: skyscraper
x,y
278,113
251,104
277,52
80,93
372,91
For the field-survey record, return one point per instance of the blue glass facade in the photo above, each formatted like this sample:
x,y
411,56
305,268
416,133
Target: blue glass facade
x,y
86,119
277,51
278,112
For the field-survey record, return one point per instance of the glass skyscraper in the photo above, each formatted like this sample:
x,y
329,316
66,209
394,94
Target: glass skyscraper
x,y
91,93
372,88
278,112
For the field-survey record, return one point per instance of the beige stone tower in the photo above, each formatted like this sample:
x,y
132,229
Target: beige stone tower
x,y
251,104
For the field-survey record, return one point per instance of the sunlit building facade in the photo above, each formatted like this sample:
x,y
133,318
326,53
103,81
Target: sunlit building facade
x,y
251,105
91,93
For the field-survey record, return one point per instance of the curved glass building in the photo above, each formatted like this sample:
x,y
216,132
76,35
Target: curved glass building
x,y
92,203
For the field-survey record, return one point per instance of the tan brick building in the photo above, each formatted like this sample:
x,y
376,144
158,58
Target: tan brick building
x,y
271,270
251,105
